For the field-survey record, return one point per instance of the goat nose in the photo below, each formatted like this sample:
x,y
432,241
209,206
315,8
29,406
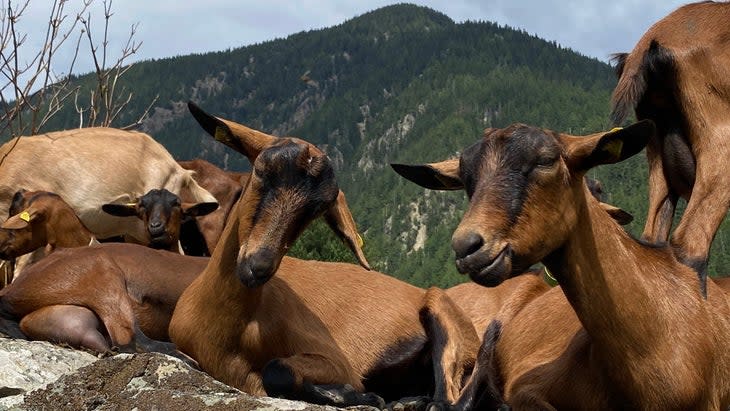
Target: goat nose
x,y
466,244
262,265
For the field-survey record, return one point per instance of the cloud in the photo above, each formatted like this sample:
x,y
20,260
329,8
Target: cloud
x,y
167,28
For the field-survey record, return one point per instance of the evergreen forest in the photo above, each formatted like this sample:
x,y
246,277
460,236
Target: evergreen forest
x,y
400,84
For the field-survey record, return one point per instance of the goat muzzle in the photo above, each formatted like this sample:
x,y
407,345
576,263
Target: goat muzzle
x,y
486,268
256,269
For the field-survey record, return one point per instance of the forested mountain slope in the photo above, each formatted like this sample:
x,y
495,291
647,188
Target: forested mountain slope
x,y
405,84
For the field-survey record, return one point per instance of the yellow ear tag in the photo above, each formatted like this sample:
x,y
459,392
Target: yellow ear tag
x,y
221,134
615,129
25,216
360,242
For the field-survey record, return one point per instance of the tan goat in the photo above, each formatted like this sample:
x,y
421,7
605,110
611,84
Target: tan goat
x,y
93,166
678,75
649,340
317,331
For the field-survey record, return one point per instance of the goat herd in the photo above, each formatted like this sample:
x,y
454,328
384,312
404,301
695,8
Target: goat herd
x,y
632,325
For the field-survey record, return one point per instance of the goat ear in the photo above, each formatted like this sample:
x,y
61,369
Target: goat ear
x,y
20,220
621,216
198,209
611,147
246,141
340,220
443,175
121,210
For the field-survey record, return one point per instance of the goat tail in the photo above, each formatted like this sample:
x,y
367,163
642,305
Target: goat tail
x,y
630,87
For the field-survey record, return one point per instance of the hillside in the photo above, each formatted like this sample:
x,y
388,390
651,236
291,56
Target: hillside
x,y
403,83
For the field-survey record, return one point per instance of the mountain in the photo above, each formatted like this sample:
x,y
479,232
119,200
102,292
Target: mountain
x,y
402,83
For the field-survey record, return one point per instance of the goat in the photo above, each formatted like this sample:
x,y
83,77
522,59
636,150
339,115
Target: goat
x,y
50,161
226,188
111,294
316,331
678,75
162,213
30,233
649,340
41,221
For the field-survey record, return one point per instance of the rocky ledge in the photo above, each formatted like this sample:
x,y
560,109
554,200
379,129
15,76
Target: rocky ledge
x,y
41,376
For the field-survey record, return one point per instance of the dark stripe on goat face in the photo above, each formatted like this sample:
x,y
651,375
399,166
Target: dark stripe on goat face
x,y
161,212
499,169
290,168
293,184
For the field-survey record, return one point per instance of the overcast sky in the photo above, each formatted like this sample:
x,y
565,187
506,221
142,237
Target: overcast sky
x,y
167,28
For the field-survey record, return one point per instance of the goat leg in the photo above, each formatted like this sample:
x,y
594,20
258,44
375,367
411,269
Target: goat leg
x,y
454,343
482,391
11,329
70,324
317,379
143,343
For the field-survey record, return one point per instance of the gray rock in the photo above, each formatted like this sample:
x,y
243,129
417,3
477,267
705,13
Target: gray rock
x,y
41,376
29,365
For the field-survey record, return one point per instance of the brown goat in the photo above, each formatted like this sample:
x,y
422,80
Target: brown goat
x,y
41,221
111,294
317,331
678,75
162,213
649,340
226,188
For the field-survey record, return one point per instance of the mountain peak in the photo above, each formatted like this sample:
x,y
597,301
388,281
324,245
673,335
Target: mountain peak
x,y
401,17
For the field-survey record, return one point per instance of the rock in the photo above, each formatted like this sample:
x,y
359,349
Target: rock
x,y
29,365
149,381
41,376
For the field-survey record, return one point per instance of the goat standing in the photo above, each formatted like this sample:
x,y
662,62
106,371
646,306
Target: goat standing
x,y
678,75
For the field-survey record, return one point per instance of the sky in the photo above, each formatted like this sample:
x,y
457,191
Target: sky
x,y
167,28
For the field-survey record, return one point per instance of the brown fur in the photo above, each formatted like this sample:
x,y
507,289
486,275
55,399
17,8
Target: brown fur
x,y
225,187
316,323
481,304
678,75
109,281
640,335
52,224
162,213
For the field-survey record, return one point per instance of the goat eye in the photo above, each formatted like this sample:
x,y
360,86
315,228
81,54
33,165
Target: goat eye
x,y
545,162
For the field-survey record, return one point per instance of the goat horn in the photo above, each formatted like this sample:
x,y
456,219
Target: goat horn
x,y
245,140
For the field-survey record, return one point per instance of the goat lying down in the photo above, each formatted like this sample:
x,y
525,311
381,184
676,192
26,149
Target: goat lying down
x,y
309,330
678,75
263,328
484,304
642,335
41,221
